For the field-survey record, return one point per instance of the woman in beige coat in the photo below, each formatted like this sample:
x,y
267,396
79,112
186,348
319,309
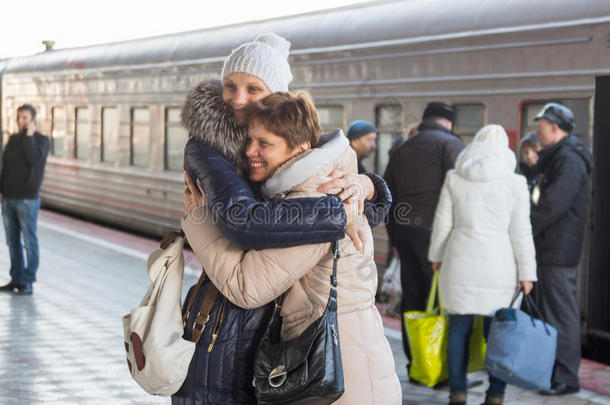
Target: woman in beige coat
x,y
282,130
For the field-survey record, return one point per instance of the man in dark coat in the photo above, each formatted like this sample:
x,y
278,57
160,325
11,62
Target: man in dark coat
x,y
558,220
415,175
24,160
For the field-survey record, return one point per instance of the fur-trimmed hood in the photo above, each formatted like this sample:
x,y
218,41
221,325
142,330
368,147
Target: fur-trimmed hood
x,y
209,119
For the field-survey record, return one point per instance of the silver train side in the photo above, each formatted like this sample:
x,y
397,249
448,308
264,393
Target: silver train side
x,y
497,62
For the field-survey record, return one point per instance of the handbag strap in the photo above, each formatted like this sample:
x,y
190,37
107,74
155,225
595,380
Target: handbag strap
x,y
434,293
204,310
333,277
529,302
336,255
210,295
531,306
170,237
189,305
518,292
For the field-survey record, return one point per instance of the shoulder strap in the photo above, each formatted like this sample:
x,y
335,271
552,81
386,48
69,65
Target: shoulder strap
x,y
336,255
333,277
204,310
170,237
196,289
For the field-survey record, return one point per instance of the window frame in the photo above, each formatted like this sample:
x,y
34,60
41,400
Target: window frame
x,y
167,126
53,126
395,133
469,137
132,124
103,139
76,122
330,106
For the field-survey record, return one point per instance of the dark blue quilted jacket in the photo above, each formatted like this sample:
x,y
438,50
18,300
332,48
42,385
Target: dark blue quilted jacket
x,y
227,379
254,224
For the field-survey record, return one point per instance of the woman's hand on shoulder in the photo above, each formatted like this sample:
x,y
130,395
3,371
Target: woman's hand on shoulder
x,y
193,195
354,227
352,187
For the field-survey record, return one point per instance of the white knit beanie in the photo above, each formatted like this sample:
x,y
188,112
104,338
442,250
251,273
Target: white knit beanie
x,y
492,133
265,58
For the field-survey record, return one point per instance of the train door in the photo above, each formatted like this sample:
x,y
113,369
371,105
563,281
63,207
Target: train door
x,y
598,283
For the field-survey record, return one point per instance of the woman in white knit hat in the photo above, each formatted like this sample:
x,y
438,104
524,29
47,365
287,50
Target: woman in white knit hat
x,y
483,237
221,369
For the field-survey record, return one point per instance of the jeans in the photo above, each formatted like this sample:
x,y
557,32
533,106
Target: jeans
x,y
20,217
460,329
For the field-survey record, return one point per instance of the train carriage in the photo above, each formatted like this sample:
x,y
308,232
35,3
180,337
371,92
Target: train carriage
x,y
113,110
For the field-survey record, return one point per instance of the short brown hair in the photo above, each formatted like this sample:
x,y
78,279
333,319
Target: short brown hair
x,y
292,116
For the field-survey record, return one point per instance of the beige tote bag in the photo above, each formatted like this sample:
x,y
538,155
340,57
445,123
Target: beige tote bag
x,y
157,355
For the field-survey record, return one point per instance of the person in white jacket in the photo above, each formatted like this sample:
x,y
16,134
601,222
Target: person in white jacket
x,y
482,235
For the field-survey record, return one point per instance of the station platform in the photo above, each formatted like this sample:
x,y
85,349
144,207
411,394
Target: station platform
x,y
64,345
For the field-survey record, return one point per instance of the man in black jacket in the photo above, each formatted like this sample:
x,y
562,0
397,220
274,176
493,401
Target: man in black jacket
x,y
415,175
24,160
558,221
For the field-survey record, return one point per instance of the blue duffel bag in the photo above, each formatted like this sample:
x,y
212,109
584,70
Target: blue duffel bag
x,y
521,348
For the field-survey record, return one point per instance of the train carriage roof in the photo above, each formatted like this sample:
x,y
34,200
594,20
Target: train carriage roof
x,y
362,26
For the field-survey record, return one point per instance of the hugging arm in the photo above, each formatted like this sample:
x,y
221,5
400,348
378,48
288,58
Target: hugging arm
x,y
253,278
253,224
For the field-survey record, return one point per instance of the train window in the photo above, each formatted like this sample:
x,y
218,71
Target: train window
x,y
110,134
175,137
580,108
140,136
388,120
58,130
83,132
468,120
331,117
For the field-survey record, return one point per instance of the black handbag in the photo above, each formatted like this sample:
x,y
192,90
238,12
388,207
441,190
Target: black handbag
x,y
306,369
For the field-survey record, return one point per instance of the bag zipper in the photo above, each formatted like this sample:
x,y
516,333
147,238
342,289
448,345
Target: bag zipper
x,y
219,320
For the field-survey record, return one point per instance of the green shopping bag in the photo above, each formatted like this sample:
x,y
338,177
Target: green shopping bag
x,y
428,332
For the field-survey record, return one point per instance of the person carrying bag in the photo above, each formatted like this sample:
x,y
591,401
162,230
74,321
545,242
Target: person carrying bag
x,y
482,246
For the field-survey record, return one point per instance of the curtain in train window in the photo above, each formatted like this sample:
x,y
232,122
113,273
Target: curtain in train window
x,y
140,136
469,118
175,138
83,132
331,118
110,135
580,108
388,120
58,130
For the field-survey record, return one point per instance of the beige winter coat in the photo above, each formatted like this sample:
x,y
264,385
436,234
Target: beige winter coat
x,y
251,278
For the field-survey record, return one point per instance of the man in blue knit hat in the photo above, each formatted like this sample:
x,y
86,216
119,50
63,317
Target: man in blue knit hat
x,y
362,137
